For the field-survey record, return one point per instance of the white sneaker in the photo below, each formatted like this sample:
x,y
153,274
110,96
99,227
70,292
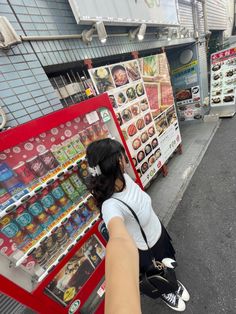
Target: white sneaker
x,y
174,302
182,292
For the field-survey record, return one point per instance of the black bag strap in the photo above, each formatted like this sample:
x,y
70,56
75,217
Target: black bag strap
x,y
141,229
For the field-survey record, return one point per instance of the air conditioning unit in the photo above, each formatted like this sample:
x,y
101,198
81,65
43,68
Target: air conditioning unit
x,y
8,36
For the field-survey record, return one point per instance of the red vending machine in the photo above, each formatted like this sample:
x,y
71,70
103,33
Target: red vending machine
x,y
52,240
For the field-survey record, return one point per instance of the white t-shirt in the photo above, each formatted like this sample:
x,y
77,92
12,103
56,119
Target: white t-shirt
x,y
141,204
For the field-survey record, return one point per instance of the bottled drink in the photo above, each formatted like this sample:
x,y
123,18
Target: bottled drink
x,y
87,88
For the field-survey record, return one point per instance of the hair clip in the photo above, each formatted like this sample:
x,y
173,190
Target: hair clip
x,y
95,171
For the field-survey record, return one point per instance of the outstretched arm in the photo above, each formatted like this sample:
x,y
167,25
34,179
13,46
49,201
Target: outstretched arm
x,y
122,271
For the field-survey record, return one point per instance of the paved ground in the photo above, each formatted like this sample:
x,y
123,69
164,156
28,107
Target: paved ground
x,y
204,231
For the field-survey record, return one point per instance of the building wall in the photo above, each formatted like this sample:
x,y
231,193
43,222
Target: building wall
x,y
26,92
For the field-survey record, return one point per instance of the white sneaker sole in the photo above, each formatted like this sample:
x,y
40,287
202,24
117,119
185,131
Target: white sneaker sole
x,y
181,306
185,296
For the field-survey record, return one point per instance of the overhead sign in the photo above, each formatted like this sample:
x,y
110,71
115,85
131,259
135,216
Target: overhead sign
x,y
126,12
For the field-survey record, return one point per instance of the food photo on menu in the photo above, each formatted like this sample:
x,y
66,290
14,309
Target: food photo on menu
x,y
113,101
102,79
121,98
171,115
149,67
183,94
153,94
132,70
167,98
144,104
161,124
139,88
135,109
131,93
119,75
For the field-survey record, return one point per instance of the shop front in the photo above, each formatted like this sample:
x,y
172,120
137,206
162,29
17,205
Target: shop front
x,y
145,63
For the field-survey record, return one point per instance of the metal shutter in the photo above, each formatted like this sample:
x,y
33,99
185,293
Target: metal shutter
x,y
216,14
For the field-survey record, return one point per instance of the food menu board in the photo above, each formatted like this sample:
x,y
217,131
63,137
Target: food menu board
x,y
141,94
155,74
223,78
71,278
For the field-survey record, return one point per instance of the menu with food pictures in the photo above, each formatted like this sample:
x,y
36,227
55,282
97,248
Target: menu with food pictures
x,y
155,74
223,78
76,272
140,92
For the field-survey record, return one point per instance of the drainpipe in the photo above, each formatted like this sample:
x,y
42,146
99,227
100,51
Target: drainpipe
x,y
195,19
50,37
206,30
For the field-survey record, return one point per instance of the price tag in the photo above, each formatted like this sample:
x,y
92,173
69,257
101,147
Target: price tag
x,y
101,290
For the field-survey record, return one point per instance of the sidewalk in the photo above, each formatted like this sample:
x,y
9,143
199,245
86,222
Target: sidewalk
x,y
203,229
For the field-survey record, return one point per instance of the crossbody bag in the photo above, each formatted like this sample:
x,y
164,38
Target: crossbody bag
x,y
158,279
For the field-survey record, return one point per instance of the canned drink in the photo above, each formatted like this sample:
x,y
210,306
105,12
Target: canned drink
x,y
70,190
51,245
84,138
5,172
78,146
36,165
60,196
80,187
49,203
69,149
27,222
91,203
61,235
69,227
4,195
11,230
59,154
83,169
91,134
9,180
40,255
13,185
100,131
24,173
49,160
79,220
36,209
85,212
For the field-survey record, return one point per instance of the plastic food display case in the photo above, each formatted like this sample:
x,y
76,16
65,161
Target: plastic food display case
x,y
52,240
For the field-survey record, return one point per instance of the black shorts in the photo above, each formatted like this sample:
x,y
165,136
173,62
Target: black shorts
x,y
163,248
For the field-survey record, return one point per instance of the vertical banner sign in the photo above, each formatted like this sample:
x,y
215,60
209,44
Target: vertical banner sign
x,y
185,80
223,78
141,94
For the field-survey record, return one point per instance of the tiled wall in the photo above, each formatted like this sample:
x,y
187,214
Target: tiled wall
x,y
25,91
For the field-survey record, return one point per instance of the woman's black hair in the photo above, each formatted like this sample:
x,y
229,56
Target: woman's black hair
x,y
106,154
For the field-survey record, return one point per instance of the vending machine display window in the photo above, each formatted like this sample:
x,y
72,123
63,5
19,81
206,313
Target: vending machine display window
x,y
52,239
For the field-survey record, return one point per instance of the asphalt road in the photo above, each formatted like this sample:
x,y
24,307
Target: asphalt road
x,y
203,229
